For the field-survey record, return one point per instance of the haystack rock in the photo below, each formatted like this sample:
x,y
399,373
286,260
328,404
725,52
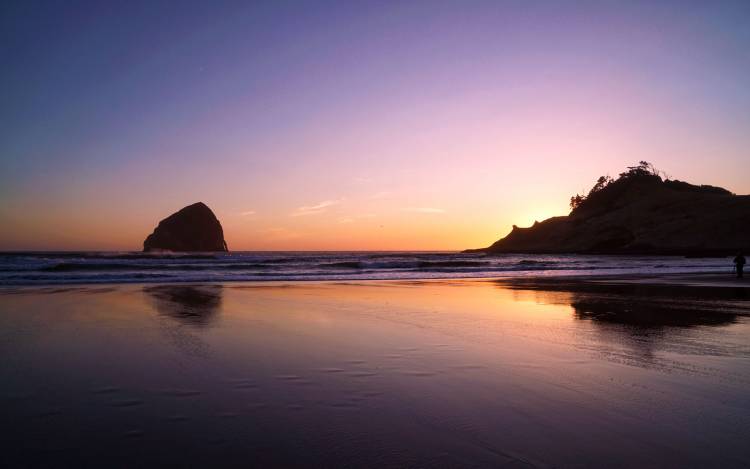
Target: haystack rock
x,y
194,228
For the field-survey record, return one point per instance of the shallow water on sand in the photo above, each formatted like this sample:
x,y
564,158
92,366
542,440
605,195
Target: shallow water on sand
x,y
448,373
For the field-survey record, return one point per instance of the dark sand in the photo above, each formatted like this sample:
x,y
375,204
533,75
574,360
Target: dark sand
x,y
617,372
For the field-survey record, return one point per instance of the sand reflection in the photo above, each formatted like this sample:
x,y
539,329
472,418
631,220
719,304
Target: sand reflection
x,y
632,323
448,374
196,305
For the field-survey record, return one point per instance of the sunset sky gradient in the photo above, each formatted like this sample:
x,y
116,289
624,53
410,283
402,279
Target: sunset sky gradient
x,y
355,125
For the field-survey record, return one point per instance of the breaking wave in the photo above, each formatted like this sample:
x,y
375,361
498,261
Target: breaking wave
x,y
37,268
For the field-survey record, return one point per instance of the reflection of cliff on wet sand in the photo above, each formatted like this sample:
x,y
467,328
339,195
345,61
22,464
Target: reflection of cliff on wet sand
x,y
640,305
196,305
634,322
653,313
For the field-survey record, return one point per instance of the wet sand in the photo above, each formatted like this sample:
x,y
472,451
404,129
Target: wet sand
x,y
466,373
712,280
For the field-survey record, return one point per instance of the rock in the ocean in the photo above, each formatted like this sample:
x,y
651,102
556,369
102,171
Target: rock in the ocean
x,y
194,228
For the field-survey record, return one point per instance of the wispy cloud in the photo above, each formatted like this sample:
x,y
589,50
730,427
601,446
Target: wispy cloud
x,y
314,209
423,210
247,213
353,218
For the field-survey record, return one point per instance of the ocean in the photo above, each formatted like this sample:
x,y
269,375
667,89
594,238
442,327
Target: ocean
x,y
52,268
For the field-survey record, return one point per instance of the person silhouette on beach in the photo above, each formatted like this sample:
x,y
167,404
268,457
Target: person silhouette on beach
x,y
739,263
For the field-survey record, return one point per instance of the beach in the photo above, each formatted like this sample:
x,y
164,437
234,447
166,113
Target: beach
x,y
498,234
627,371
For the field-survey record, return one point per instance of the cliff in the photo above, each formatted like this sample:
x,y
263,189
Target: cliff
x,y
640,213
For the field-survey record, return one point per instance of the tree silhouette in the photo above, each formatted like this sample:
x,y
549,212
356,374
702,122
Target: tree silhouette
x,y
644,168
578,199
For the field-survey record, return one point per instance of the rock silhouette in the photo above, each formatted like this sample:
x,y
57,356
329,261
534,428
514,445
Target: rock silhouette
x,y
194,228
639,213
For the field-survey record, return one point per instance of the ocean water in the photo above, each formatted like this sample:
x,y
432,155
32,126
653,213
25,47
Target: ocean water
x,y
50,268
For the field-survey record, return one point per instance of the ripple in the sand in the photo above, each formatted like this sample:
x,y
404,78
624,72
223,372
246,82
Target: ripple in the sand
x,y
331,370
127,403
356,399
288,377
177,418
227,415
344,405
419,373
408,349
247,385
243,383
448,347
295,379
394,356
106,390
355,362
361,374
181,392
468,367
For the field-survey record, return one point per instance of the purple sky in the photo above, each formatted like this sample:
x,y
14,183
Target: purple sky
x,y
355,125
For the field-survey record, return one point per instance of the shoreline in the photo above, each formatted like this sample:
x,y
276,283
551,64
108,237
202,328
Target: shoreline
x,y
693,279
251,267
701,280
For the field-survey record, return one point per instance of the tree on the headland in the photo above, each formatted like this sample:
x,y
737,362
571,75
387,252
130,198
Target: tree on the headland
x,y
643,168
576,201
601,183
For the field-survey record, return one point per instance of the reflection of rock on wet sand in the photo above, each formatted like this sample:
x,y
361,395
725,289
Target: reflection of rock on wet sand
x,y
184,308
196,305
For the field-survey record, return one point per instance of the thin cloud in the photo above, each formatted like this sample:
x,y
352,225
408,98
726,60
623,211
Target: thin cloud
x,y
353,218
247,213
314,209
423,210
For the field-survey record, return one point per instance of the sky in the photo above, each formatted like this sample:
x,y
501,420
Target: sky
x,y
355,125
